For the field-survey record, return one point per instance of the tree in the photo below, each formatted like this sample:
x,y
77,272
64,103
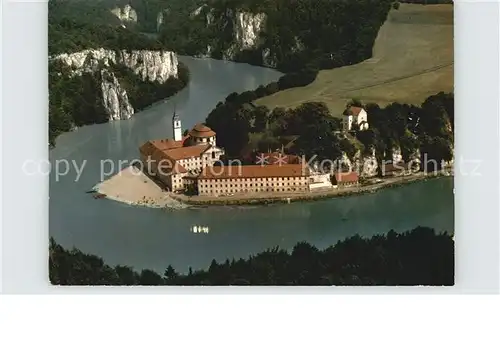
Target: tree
x,y
260,117
416,257
313,123
232,125
170,274
127,275
347,146
149,277
408,144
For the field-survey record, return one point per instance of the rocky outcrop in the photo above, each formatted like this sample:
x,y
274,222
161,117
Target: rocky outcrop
x,y
115,99
268,59
210,18
149,65
247,28
365,165
396,155
160,18
368,165
198,11
155,66
125,14
207,53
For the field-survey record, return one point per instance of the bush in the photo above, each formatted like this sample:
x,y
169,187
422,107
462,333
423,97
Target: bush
x,y
298,79
260,91
272,88
395,5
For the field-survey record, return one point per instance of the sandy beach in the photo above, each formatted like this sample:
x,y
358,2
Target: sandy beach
x,y
133,187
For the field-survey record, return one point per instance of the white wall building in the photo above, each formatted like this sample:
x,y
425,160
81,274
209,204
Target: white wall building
x,y
356,115
176,161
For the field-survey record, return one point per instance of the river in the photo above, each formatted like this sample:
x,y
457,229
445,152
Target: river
x,y
152,238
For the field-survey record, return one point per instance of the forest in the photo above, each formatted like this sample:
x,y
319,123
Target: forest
x,y
77,100
243,128
417,257
324,30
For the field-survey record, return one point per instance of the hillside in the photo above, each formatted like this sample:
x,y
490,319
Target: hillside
x,y
412,59
289,35
141,15
101,69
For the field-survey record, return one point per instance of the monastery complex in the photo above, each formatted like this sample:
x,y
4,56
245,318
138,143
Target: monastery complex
x,y
192,164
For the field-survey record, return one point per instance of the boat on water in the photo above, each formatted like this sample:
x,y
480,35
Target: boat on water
x,y
200,229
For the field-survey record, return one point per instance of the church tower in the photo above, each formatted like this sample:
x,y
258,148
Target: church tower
x,y
176,126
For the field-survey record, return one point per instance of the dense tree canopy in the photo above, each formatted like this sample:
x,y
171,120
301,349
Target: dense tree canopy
x,y
238,123
298,33
76,100
417,257
98,12
428,127
243,127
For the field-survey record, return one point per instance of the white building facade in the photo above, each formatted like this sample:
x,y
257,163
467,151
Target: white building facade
x,y
175,162
355,115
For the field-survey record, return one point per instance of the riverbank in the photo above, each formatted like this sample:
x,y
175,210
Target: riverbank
x,y
267,199
133,187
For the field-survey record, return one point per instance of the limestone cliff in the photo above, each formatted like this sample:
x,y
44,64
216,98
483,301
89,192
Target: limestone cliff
x,y
126,14
115,98
365,165
154,66
150,65
198,11
160,18
247,28
268,59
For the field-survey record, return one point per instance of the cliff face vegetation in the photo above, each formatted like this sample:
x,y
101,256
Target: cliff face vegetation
x,y
397,132
287,34
102,71
417,257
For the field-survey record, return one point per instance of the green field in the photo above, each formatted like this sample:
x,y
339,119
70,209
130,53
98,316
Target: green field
x,y
412,59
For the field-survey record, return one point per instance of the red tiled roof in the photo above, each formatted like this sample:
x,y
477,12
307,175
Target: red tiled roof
x,y
354,111
165,153
186,152
161,144
254,171
164,164
347,177
201,131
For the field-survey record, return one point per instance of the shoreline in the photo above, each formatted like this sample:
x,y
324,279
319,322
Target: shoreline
x,y
269,199
132,187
